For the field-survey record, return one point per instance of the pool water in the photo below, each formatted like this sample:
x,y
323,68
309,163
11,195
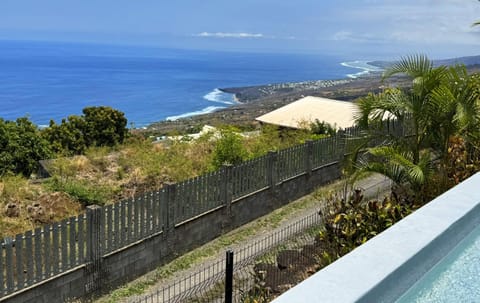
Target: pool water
x,y
456,278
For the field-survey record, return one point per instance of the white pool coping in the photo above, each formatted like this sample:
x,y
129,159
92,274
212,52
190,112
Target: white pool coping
x,y
386,266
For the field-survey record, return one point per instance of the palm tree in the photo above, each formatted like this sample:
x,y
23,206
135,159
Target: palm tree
x,y
405,104
454,109
441,102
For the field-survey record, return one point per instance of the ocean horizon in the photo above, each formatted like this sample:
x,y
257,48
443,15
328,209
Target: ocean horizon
x,y
53,80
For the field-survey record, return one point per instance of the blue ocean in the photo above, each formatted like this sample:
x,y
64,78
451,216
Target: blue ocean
x,y
52,80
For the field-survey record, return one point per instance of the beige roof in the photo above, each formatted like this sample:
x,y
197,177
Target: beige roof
x,y
300,113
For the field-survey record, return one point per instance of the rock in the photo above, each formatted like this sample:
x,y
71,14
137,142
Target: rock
x,y
36,213
12,210
288,258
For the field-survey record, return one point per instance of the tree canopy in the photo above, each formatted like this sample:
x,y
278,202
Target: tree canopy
x,y
21,147
98,126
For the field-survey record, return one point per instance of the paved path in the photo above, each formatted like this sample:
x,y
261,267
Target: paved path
x,y
208,272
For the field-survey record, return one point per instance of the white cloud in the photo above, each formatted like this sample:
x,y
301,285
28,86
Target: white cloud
x,y
411,21
229,35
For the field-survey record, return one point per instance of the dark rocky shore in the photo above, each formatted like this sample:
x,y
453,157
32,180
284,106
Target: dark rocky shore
x,y
255,101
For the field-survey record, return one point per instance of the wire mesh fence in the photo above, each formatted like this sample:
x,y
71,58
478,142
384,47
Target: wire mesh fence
x,y
265,265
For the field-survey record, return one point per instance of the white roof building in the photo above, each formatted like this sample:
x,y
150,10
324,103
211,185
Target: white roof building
x,y
301,113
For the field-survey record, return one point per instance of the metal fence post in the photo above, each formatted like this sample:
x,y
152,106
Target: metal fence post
x,y
229,277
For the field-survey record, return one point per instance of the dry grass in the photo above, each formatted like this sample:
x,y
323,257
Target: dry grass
x,y
105,175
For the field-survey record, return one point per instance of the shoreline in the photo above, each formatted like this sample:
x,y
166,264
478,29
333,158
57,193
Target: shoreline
x,y
248,94
253,93
254,101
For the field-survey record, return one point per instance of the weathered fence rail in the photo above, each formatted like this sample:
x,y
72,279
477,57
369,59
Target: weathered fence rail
x,y
161,217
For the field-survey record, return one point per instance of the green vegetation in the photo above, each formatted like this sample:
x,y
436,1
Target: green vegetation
x,y
229,149
98,126
351,223
96,161
322,128
21,147
441,104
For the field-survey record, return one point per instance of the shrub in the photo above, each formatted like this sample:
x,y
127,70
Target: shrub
x,y
98,126
229,149
21,147
350,224
322,128
105,126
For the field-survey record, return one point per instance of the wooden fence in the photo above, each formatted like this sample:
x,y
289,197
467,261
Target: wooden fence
x,y
35,256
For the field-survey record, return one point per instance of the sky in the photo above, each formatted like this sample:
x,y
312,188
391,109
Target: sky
x,y
375,28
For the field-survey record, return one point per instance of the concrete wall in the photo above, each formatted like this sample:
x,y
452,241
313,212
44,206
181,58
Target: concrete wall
x,y
139,258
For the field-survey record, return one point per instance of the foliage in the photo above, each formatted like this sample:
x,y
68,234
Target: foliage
x,y
98,126
441,102
229,149
21,147
351,223
105,126
68,137
459,164
322,128
399,166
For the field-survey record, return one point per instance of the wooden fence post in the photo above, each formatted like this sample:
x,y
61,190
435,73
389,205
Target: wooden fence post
x,y
227,193
171,192
95,238
341,145
169,223
309,158
272,158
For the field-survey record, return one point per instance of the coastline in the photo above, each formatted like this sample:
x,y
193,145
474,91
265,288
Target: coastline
x,y
230,96
254,101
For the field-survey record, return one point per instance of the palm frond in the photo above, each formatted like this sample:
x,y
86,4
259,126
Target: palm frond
x,y
398,165
413,65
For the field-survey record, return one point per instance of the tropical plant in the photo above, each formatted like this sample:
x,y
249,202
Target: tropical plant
x,y
350,223
440,103
404,105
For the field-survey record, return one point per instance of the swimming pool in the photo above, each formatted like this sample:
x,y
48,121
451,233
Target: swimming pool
x,y
456,278
413,260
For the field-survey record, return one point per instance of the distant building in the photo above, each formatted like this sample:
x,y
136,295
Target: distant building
x,y
303,112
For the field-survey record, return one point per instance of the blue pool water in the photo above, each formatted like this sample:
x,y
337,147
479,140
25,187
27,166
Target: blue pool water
x,y
456,278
